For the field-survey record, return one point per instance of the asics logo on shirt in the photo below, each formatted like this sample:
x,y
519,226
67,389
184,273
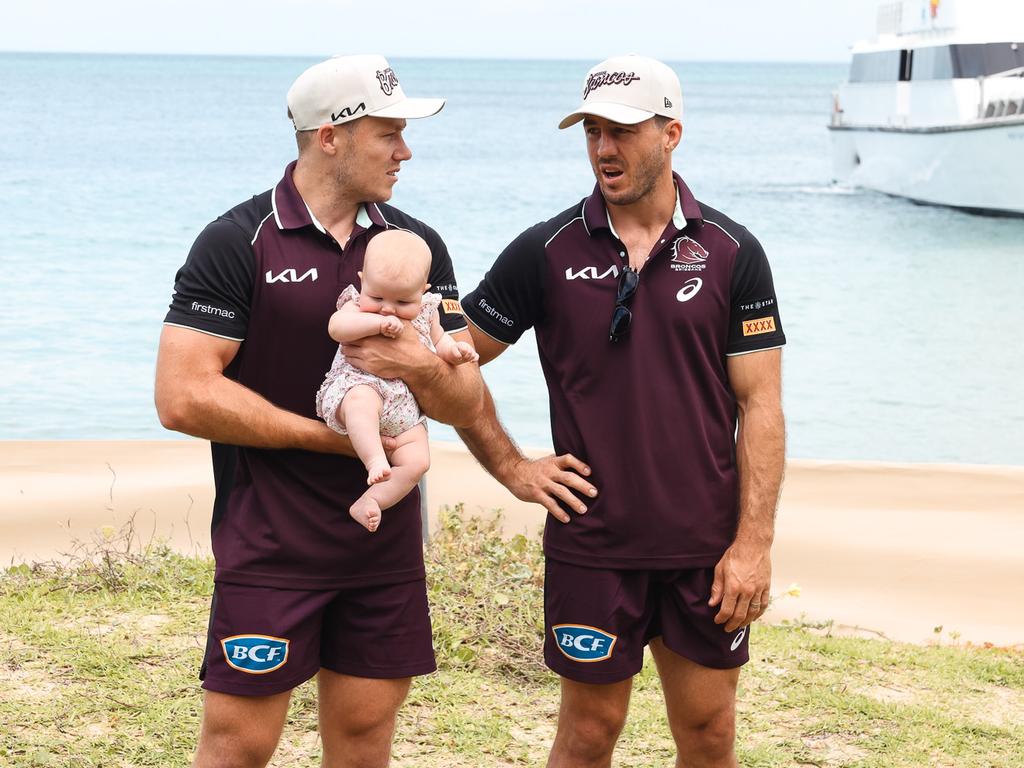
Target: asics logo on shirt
x,y
291,276
689,289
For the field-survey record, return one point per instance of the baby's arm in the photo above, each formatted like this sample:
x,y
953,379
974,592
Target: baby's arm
x,y
448,349
349,324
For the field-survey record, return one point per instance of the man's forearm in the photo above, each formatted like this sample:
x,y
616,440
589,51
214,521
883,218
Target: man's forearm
x,y
452,394
489,443
760,459
221,410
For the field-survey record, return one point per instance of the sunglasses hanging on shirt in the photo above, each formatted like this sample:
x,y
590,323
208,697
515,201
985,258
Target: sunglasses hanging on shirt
x,y
629,279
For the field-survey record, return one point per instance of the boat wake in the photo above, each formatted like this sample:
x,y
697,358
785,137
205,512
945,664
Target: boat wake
x,y
833,188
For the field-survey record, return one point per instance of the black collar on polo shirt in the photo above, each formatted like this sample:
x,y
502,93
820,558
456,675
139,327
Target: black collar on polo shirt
x,y
595,212
291,211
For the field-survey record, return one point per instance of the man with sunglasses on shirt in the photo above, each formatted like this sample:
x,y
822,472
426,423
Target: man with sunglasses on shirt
x,y
659,336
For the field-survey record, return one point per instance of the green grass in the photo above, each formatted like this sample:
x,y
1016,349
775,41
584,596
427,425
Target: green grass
x,y
98,661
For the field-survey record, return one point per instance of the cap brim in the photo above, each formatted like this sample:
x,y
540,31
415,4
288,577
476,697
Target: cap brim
x,y
411,109
617,113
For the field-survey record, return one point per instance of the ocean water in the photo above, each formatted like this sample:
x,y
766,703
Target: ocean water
x,y
903,321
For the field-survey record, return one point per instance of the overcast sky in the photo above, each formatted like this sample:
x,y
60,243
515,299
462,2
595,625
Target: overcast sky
x,y
679,30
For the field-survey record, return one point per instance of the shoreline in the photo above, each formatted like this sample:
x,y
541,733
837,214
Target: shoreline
x,y
879,549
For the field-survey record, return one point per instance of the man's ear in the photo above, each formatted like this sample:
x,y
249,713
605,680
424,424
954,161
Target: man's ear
x,y
673,135
325,138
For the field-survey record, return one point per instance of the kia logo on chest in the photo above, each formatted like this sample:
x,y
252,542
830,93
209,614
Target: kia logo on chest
x,y
591,273
291,276
580,642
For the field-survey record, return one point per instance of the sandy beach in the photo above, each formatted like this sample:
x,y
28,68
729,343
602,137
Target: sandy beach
x,y
897,550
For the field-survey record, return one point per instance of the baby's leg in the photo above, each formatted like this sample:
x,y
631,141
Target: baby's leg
x,y
360,413
409,461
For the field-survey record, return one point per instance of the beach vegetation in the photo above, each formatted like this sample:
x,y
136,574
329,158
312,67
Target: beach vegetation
x,y
99,652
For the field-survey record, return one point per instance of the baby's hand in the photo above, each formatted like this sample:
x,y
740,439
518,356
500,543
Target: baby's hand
x,y
464,353
391,327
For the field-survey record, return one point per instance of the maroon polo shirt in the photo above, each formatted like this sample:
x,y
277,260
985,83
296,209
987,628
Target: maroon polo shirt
x,y
653,414
268,275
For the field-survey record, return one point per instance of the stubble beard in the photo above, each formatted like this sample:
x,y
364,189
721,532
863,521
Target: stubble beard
x,y
342,177
648,172
347,182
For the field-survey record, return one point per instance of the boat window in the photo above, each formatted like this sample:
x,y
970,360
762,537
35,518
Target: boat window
x,y
933,63
942,62
984,59
875,67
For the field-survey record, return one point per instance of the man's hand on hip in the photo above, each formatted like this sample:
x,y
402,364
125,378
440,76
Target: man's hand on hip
x,y
742,585
551,479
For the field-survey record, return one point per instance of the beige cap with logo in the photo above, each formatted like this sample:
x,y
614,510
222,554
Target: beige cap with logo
x,y
628,90
345,88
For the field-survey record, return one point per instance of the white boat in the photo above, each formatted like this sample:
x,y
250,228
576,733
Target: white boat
x,y
933,109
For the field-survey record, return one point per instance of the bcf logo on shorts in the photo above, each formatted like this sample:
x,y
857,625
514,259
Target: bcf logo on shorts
x,y
255,654
582,643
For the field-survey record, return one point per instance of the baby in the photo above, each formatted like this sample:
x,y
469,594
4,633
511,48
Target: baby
x,y
364,406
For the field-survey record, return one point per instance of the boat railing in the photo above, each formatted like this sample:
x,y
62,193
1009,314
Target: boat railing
x,y
1001,94
837,110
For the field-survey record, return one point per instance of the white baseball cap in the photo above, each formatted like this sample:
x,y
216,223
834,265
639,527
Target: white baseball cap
x,y
628,90
345,88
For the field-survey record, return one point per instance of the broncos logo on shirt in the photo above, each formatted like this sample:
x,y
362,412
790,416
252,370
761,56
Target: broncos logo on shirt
x,y
686,250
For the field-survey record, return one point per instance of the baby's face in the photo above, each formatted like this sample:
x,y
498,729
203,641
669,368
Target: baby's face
x,y
401,297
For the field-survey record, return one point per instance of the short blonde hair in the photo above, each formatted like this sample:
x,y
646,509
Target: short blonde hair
x,y
397,254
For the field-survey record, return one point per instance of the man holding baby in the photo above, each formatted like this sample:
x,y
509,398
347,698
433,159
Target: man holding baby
x,y
303,587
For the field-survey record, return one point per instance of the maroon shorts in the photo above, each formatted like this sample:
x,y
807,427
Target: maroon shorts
x,y
597,621
264,640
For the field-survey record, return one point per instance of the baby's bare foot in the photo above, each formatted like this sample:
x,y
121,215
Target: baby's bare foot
x,y
366,512
377,471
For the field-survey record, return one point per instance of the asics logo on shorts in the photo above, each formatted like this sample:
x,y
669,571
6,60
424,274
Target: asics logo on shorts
x,y
255,654
580,642
738,639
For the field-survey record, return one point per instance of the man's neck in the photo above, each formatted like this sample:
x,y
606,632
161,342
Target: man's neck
x,y
649,214
332,209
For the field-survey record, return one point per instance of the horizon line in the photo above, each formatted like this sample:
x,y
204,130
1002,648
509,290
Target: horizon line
x,y
432,57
